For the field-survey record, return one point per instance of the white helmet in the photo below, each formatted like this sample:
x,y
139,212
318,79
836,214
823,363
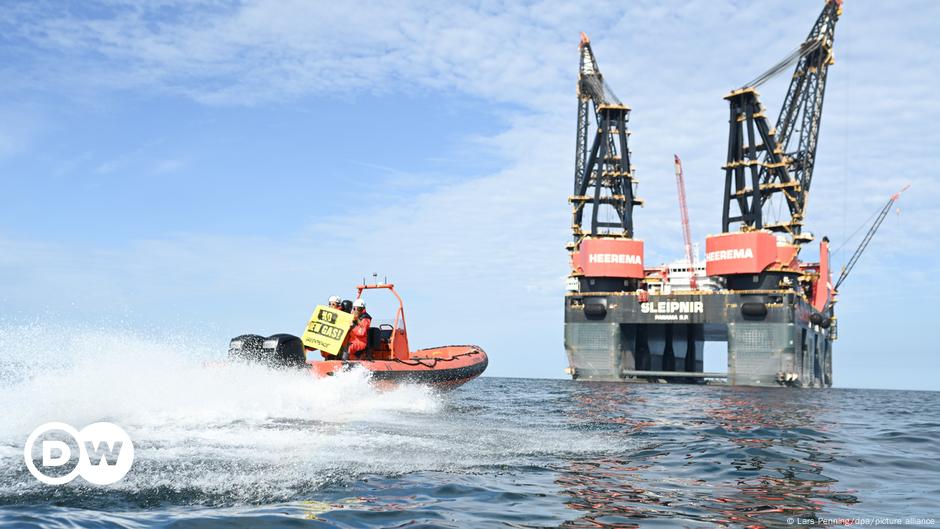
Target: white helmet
x,y
359,304
334,300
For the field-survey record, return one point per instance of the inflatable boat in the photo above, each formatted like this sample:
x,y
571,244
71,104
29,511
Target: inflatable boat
x,y
386,355
447,365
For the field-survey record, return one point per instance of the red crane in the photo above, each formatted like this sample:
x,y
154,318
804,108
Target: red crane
x,y
686,230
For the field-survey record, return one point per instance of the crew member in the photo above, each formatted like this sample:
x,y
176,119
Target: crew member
x,y
336,304
359,333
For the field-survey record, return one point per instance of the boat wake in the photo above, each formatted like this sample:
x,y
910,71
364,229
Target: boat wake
x,y
209,431
215,434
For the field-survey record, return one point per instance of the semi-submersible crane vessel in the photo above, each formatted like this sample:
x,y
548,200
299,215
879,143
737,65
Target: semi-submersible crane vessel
x,y
625,322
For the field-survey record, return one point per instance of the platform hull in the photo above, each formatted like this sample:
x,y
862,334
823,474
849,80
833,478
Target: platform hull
x,y
772,340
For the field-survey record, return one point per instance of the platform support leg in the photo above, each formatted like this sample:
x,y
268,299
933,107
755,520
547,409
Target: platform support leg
x,y
758,352
599,351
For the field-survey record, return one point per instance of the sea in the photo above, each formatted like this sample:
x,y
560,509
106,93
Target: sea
x,y
218,445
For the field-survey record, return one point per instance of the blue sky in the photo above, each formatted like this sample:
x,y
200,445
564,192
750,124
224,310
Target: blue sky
x,y
218,167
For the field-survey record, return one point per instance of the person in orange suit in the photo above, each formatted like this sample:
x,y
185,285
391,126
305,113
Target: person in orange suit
x,y
359,333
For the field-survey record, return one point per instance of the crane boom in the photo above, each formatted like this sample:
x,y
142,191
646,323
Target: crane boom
x,y
686,229
591,89
804,100
765,161
603,179
868,236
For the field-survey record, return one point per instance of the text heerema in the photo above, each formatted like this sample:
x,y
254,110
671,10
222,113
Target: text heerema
x,y
614,258
724,255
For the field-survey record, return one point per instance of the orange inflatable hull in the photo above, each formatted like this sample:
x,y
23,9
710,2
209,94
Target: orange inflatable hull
x,y
450,365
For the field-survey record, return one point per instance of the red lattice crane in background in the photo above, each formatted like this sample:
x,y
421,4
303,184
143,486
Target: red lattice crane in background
x,y
686,229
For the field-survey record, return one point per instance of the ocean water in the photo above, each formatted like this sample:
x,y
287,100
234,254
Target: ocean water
x,y
244,446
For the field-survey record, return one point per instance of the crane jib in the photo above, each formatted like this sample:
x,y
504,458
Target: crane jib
x,y
603,195
767,163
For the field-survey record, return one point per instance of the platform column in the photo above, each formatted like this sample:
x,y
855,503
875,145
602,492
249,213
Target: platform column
x,y
599,351
691,339
757,352
656,342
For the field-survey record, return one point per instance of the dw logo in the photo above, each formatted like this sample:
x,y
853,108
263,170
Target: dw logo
x,y
101,453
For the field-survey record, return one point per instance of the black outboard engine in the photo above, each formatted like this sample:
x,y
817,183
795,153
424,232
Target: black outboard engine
x,y
246,348
284,350
277,350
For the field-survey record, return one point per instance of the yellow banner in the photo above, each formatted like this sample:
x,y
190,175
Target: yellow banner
x,y
327,329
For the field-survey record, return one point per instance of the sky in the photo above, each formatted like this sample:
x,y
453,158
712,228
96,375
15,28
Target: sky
x,y
214,168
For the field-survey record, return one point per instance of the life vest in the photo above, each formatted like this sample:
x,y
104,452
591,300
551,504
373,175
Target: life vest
x,y
359,334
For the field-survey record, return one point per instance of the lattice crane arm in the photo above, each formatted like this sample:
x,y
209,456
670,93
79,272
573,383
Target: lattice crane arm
x,y
603,176
868,236
801,111
590,80
765,162
592,90
684,214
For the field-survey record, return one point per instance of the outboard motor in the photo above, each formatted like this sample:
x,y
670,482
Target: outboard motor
x,y
277,350
246,348
284,350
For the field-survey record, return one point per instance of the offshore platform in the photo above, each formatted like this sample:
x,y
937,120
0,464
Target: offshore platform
x,y
626,322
